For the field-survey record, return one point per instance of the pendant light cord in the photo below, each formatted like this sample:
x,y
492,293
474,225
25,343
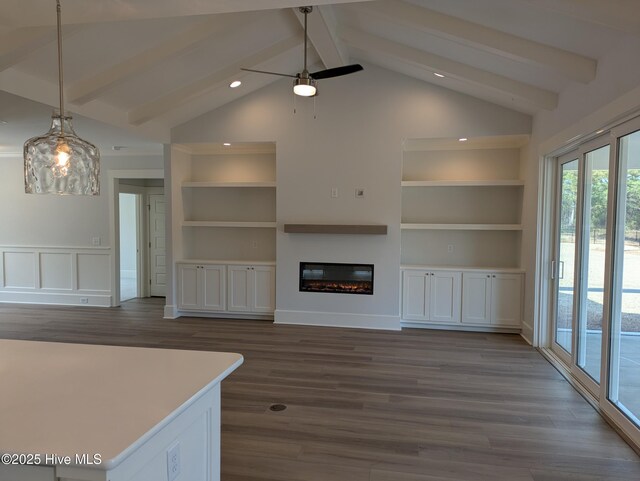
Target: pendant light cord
x,y
60,72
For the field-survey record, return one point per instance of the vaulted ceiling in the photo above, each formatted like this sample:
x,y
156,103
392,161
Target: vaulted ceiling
x,y
149,65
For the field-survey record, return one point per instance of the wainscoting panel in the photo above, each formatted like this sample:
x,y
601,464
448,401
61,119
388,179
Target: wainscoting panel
x,y
56,271
93,272
55,275
19,269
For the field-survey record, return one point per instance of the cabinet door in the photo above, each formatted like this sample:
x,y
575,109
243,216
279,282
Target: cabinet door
x,y
264,289
213,288
415,295
476,298
506,299
188,286
239,288
445,296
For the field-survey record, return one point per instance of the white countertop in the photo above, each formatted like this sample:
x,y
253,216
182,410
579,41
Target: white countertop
x,y
65,399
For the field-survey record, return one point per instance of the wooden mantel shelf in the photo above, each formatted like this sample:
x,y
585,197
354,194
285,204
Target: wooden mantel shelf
x,y
335,229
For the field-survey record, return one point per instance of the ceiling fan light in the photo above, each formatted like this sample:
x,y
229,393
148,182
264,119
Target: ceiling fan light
x,y
305,87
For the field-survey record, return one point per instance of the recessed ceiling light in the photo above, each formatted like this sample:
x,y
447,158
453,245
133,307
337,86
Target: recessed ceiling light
x,y
227,144
235,84
462,139
438,74
599,131
3,122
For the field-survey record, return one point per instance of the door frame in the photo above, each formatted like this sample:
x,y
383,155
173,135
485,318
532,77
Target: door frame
x,y
113,199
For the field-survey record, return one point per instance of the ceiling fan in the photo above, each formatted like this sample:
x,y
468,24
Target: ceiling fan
x,y
305,83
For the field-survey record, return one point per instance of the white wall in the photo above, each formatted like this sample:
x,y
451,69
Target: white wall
x,y
47,254
582,109
355,142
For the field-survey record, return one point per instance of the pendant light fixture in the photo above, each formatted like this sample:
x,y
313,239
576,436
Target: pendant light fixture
x,y
60,162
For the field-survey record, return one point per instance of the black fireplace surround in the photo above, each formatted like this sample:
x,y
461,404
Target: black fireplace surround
x,y
336,278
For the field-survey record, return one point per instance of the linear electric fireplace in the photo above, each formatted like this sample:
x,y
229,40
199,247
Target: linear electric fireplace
x,y
336,278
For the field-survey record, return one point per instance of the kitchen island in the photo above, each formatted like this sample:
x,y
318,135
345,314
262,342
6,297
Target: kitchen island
x,y
79,412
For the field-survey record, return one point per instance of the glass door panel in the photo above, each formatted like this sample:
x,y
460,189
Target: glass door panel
x,y
593,261
565,258
624,365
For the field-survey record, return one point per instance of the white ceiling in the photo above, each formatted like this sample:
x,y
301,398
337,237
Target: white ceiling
x,y
149,65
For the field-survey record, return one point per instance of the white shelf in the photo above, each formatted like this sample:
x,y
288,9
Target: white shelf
x,y
422,267
205,223
462,183
226,262
228,184
513,227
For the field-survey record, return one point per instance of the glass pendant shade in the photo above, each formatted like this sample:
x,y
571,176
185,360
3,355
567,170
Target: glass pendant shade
x,y
60,162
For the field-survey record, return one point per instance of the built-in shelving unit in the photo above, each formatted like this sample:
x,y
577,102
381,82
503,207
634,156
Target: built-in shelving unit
x,y
461,233
462,202
224,202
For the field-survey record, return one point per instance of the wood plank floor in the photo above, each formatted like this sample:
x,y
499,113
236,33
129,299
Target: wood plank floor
x,y
368,405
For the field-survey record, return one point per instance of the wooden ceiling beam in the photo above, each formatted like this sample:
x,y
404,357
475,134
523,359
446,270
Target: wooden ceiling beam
x,y
571,65
93,86
323,37
374,45
191,92
621,15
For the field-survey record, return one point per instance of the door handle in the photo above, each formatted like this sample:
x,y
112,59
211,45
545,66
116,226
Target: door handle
x,y
553,270
561,273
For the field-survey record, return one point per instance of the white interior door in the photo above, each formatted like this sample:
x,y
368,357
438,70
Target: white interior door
x,y
157,251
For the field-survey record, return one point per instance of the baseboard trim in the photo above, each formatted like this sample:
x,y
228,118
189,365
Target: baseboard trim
x,y
456,327
337,319
527,333
57,299
224,315
170,312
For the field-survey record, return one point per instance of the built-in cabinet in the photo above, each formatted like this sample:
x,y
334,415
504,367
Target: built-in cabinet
x,y
466,298
251,288
493,299
201,287
431,295
230,288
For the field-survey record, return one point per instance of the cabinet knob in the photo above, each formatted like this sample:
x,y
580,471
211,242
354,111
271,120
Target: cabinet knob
x,y
494,275
488,275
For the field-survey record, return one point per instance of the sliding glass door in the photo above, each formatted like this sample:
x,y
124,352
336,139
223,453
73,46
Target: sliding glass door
x,y
595,271
563,265
624,365
579,265
592,259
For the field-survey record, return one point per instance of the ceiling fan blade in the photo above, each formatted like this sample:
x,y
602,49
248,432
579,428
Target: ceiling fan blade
x,y
269,73
336,72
